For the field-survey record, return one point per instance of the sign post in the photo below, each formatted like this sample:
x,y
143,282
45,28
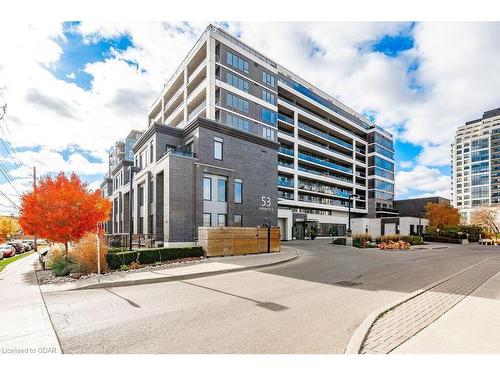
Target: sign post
x,y
98,256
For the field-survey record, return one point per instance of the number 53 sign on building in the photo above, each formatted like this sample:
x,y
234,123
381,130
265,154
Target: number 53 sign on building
x,y
265,204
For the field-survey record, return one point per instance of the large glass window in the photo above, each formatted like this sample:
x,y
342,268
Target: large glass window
x,y
237,103
221,220
268,97
207,188
381,163
479,144
207,220
237,82
481,179
238,220
479,155
480,192
268,116
238,122
269,79
218,148
268,133
480,167
238,191
237,62
221,190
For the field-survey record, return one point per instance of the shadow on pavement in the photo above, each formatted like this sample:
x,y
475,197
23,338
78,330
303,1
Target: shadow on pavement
x,y
130,302
271,306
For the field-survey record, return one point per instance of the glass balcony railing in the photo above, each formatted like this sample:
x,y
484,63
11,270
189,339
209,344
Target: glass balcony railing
x,y
285,164
324,174
320,188
177,151
285,118
321,200
324,135
285,195
325,147
287,132
285,182
286,151
325,163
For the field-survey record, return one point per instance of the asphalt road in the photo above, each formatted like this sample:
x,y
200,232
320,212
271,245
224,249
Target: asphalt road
x,y
310,305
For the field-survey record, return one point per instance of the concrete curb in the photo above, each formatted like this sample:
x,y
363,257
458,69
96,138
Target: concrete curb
x,y
359,335
113,284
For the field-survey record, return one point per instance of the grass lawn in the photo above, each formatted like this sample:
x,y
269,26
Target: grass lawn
x,y
5,261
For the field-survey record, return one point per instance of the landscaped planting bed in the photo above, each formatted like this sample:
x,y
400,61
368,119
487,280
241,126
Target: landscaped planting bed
x,y
149,256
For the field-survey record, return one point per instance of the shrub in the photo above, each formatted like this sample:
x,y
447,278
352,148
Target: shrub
x,y
61,264
413,240
85,254
123,267
339,241
474,231
148,256
362,240
442,239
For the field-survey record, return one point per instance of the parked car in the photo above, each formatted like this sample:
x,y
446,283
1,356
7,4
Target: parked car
x,y
26,245
18,246
1,254
7,250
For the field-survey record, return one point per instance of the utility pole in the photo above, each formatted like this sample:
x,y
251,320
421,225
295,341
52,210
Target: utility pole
x,y
34,187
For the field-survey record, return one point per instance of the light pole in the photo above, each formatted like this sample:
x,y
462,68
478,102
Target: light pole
x,y
131,169
349,218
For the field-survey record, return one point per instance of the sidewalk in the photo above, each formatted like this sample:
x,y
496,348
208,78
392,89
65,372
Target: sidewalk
x,y
471,327
26,327
211,266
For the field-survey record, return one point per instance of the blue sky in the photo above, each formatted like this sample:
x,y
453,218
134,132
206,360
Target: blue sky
x,y
89,84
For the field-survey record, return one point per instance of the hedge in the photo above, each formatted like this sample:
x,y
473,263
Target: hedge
x,y
442,239
148,256
339,241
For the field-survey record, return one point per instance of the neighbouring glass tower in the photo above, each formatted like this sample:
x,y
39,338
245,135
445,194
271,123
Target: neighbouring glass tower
x,y
475,159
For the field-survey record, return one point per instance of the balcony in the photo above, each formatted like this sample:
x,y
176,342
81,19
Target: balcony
x,y
195,112
324,174
285,195
285,118
285,151
285,182
329,149
325,163
325,135
320,200
323,189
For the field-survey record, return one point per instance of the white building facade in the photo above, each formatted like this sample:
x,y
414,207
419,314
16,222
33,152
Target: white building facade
x,y
475,159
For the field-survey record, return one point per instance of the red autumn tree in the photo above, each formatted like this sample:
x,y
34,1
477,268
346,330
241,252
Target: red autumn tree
x,y
62,210
441,214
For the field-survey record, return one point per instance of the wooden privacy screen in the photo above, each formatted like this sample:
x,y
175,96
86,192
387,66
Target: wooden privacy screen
x,y
219,241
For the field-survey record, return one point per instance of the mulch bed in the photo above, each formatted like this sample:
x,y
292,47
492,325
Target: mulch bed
x,y
46,276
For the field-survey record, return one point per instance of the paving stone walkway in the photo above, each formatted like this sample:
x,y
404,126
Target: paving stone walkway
x,y
405,320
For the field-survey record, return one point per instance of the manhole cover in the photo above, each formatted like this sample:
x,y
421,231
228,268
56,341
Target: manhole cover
x,y
346,283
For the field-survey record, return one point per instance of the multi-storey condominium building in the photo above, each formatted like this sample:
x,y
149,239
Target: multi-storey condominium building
x,y
475,159
329,155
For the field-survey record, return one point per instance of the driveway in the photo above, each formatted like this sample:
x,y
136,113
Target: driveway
x,y
310,305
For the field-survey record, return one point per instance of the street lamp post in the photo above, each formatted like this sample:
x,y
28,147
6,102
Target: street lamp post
x,y
131,169
349,215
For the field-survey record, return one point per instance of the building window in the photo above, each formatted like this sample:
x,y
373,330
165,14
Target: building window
x,y
237,62
268,97
141,195
268,116
221,190
207,188
237,82
238,220
221,220
218,148
268,79
237,103
238,191
207,220
151,152
268,133
237,123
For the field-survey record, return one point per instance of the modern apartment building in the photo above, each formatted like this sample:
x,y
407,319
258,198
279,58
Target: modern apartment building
x,y
475,159
329,155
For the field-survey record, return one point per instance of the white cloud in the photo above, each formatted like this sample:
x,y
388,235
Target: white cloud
x,y
422,180
457,73
71,76
405,164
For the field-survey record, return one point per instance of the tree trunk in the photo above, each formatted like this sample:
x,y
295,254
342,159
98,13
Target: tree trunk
x,y
66,248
